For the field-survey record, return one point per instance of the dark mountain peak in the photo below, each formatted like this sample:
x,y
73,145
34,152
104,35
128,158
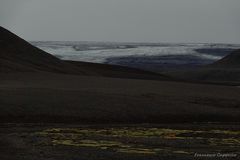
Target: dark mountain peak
x,y
17,54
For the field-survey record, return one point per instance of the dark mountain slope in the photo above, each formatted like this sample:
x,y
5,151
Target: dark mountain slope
x,y
225,71
230,61
18,55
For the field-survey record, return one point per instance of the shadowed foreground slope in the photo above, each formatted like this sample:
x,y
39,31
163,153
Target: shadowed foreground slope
x,y
85,99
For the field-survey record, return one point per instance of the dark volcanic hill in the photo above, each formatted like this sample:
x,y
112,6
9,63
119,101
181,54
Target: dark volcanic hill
x,y
224,71
17,55
230,61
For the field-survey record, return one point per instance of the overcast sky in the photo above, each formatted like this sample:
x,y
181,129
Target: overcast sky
x,y
124,20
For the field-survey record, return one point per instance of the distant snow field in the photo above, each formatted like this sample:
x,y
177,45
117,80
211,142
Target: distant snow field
x,y
139,55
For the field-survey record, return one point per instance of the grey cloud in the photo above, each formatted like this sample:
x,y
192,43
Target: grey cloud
x,y
124,20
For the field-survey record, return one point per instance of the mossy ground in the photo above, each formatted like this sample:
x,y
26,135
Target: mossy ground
x,y
141,140
120,142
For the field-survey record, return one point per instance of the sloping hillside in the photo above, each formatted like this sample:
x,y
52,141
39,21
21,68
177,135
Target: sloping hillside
x,y
224,71
18,55
230,61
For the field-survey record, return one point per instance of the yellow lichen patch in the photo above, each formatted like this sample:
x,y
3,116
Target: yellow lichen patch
x,y
135,132
90,143
227,132
224,142
119,132
231,141
181,152
63,142
120,147
138,140
137,151
149,132
101,143
124,132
